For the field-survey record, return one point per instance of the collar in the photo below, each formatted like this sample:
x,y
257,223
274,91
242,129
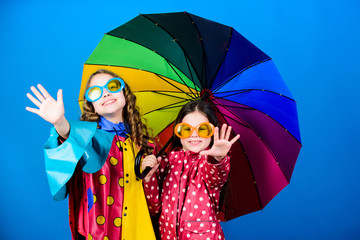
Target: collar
x,y
120,129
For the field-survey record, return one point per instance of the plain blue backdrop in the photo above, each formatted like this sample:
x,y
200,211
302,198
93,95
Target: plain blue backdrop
x,y
315,45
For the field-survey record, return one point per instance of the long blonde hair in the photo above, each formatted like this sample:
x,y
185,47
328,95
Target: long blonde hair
x,y
139,132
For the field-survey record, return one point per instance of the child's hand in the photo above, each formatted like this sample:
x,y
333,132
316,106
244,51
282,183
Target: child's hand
x,y
150,161
221,144
50,110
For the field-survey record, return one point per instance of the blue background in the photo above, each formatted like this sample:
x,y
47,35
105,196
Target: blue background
x,y
315,45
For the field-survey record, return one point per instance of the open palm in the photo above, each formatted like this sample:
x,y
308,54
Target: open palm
x,y
49,109
221,144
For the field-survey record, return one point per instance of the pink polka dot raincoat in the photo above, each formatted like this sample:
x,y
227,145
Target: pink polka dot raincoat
x,y
185,191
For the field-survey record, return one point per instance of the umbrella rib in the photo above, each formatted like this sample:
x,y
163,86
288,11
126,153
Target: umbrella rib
x,y
169,95
241,71
170,106
203,65
258,111
180,78
249,90
187,62
159,76
175,40
227,50
247,158
261,139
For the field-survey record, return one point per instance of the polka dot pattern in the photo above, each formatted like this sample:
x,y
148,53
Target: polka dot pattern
x,y
107,189
189,201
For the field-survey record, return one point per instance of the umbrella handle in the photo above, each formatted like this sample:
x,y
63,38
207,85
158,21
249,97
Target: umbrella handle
x,y
140,154
140,175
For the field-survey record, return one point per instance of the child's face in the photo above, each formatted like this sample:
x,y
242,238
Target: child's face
x,y
110,105
195,143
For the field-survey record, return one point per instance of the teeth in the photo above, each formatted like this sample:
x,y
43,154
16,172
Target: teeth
x,y
108,102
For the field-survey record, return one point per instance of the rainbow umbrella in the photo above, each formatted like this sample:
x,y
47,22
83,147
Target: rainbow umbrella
x,y
173,58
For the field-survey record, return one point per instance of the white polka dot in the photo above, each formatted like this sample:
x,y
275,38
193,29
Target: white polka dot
x,y
203,212
191,214
196,206
201,199
193,193
189,201
201,224
199,185
189,224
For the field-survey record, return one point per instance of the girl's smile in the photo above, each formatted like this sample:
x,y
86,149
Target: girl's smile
x,y
195,143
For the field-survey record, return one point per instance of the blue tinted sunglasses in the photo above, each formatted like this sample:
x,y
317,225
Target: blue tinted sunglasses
x,y
114,85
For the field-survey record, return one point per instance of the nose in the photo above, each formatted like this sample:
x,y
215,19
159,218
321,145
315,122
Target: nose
x,y
194,134
106,93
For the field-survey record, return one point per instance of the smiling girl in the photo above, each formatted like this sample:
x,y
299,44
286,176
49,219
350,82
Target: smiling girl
x,y
92,160
186,187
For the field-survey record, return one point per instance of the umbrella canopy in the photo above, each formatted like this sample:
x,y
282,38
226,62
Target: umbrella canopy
x,y
173,58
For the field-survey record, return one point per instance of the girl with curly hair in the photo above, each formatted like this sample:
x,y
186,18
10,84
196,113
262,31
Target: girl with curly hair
x,y
92,160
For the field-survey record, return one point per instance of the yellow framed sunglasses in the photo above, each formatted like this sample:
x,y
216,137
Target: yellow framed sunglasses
x,y
204,130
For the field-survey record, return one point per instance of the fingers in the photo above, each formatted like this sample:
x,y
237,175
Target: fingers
x,y
59,97
205,152
33,110
37,94
235,139
228,131
149,161
33,100
222,132
43,91
216,134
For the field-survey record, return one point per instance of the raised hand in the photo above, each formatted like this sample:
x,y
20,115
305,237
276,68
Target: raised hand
x,y
49,109
221,144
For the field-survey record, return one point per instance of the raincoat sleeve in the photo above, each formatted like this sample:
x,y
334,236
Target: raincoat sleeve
x,y
216,173
153,188
86,144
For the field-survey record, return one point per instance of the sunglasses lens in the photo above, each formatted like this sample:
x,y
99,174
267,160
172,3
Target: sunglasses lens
x,y
184,131
93,94
114,85
205,130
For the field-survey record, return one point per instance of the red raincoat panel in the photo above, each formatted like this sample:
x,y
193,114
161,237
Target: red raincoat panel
x,y
186,190
96,199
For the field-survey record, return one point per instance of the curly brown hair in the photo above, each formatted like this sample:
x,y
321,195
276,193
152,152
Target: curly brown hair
x,y
139,132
